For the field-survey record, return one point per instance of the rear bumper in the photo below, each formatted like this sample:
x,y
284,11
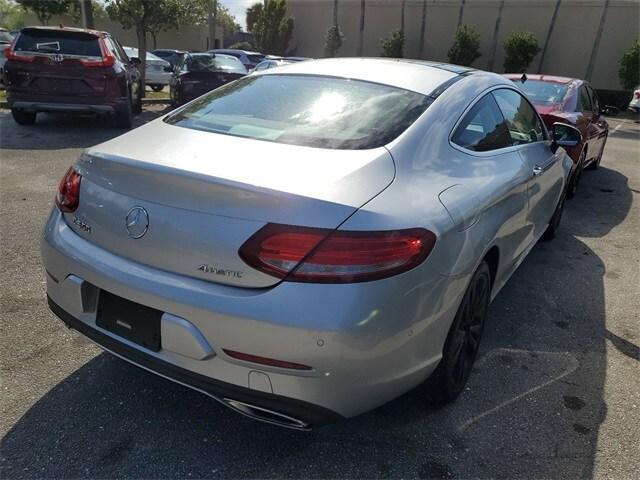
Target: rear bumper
x,y
157,78
283,411
35,103
367,343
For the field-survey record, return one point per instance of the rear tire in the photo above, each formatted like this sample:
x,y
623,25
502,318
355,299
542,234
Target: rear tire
x,y
23,117
124,116
577,175
596,163
137,106
554,224
156,88
463,339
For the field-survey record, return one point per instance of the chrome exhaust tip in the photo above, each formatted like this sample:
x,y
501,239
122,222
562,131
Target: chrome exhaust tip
x,y
266,415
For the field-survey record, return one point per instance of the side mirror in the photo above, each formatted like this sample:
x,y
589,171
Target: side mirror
x,y
565,136
134,61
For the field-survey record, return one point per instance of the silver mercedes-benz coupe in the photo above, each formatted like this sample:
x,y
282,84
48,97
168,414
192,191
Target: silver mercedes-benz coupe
x,y
307,243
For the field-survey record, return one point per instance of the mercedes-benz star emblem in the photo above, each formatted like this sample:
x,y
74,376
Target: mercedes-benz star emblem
x,y
137,222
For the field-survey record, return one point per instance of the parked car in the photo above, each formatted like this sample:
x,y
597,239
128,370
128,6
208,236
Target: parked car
x,y
5,40
171,56
60,69
5,37
199,73
572,101
634,104
157,72
308,243
270,63
248,59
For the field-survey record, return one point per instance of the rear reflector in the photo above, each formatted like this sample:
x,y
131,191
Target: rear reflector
x,y
301,254
265,361
68,196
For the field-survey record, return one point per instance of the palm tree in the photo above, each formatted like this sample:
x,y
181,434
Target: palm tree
x,y
423,27
461,13
496,32
361,33
596,42
549,32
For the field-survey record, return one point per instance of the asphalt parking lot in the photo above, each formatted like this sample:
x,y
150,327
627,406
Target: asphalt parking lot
x,y
555,392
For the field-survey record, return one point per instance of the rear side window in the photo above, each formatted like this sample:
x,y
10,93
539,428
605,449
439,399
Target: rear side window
x,y
522,120
584,102
483,127
61,42
307,110
256,58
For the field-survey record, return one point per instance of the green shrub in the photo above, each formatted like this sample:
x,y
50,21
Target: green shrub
x,y
629,72
333,41
393,45
241,46
466,47
520,49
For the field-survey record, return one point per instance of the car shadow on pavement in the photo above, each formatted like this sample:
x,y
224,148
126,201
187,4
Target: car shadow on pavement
x,y
59,131
533,406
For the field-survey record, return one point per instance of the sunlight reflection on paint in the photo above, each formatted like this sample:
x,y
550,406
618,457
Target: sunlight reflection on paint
x,y
371,316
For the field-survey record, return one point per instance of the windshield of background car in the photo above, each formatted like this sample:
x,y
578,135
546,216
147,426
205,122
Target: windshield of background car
x,y
543,93
5,37
305,110
62,42
217,63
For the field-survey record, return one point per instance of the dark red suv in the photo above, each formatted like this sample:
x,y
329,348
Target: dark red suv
x,y
60,69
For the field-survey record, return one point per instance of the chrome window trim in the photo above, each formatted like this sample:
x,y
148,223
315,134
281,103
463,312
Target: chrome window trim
x,y
498,151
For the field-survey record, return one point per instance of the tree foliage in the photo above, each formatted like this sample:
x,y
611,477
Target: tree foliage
x,y
333,41
45,9
520,49
393,45
271,26
466,46
629,72
11,15
241,46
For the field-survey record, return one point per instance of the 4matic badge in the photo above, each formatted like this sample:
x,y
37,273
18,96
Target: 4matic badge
x,y
223,272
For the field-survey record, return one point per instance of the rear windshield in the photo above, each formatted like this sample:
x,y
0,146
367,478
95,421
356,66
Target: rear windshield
x,y
210,63
52,41
543,93
305,110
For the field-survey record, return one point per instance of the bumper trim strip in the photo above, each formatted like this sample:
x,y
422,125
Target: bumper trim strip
x,y
305,414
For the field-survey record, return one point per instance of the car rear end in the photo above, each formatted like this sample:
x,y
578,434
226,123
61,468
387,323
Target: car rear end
x,y
235,264
206,72
63,69
634,104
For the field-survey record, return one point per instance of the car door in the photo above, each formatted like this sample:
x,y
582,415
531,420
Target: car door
x,y
133,74
501,194
600,126
546,178
586,122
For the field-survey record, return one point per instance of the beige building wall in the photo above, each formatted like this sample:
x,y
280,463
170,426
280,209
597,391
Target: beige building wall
x,y
191,38
568,53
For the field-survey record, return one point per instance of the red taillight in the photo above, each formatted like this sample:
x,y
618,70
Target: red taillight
x,y
301,254
107,59
636,94
272,362
10,54
68,196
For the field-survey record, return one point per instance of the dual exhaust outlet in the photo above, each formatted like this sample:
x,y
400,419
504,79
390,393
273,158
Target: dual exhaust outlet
x,y
265,415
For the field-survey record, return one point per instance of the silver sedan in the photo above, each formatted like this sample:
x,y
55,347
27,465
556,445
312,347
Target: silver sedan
x,y
307,243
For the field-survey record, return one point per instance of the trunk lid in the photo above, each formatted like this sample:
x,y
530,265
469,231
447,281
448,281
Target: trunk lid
x,y
205,194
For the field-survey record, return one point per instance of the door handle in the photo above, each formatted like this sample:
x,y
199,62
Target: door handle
x,y
537,170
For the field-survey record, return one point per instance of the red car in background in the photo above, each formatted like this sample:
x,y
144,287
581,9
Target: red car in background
x,y
571,101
